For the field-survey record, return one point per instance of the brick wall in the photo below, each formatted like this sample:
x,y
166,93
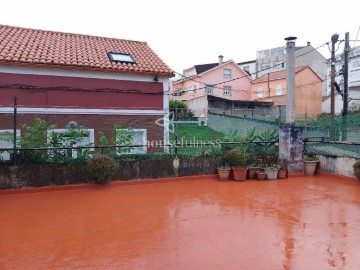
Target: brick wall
x,y
103,123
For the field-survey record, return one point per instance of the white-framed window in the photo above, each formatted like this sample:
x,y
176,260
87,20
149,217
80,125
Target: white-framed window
x,y
227,91
139,138
227,73
279,90
260,92
278,65
209,89
66,140
265,66
191,90
355,75
246,68
355,64
7,141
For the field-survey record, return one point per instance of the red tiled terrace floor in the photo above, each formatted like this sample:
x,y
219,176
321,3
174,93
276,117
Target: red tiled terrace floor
x,y
297,223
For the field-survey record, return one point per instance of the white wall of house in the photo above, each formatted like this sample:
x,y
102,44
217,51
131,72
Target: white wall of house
x,y
199,106
250,67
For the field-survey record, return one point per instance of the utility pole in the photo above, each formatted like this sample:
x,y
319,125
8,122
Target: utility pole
x,y
290,80
346,87
334,39
346,75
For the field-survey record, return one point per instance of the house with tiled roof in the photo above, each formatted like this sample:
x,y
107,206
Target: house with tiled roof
x,y
308,90
224,80
92,81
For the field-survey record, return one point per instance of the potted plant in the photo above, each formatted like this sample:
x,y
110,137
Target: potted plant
x,y
252,171
283,172
237,158
260,175
271,172
224,172
310,164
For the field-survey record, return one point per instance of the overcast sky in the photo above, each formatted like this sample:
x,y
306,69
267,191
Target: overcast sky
x,y
188,32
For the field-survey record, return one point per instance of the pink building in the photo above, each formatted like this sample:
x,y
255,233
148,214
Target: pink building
x,y
223,79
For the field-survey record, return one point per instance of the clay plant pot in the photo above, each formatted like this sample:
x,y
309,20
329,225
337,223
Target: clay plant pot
x,y
251,173
224,173
239,173
271,173
282,173
310,167
260,175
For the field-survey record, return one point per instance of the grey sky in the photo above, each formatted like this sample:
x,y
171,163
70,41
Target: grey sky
x,y
184,33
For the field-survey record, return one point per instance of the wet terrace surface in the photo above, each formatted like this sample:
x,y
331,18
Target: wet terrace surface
x,y
297,223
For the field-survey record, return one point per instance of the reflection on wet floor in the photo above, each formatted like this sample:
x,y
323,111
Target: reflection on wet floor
x,y
297,223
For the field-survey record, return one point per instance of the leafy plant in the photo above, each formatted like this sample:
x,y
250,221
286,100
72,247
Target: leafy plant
x,y
101,169
356,167
236,157
120,137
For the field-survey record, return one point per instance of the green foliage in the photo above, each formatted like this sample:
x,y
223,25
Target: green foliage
x,y
180,104
236,157
356,167
101,169
72,136
119,136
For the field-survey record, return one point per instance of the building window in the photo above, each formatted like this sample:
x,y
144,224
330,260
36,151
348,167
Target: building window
x,y
265,66
209,89
227,74
121,57
75,137
191,90
139,138
6,141
246,68
355,64
260,92
355,75
227,91
278,65
279,90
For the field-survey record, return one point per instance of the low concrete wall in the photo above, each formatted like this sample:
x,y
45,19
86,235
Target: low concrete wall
x,y
338,165
50,175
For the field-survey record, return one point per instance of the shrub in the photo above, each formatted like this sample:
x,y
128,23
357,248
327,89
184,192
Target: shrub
x,y
236,157
356,167
101,169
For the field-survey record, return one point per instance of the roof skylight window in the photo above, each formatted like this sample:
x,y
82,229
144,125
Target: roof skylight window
x,y
121,57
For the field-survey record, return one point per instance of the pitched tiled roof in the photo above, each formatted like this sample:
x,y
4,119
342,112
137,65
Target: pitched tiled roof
x,y
205,67
277,75
38,48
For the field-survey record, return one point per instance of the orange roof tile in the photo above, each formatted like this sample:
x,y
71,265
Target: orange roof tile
x,y
38,48
277,75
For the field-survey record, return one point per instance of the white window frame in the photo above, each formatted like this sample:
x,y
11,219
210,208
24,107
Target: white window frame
x,y
279,90
227,90
278,65
246,68
227,73
136,150
5,155
260,92
209,89
64,130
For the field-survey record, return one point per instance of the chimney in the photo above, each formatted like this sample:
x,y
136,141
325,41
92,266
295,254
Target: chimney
x,y
308,43
221,61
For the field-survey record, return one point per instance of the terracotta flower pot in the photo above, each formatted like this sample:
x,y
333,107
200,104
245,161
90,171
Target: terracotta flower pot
x,y
260,175
310,167
251,173
239,173
224,173
282,173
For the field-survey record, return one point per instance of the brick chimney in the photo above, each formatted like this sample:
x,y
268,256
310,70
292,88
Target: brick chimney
x,y
221,59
